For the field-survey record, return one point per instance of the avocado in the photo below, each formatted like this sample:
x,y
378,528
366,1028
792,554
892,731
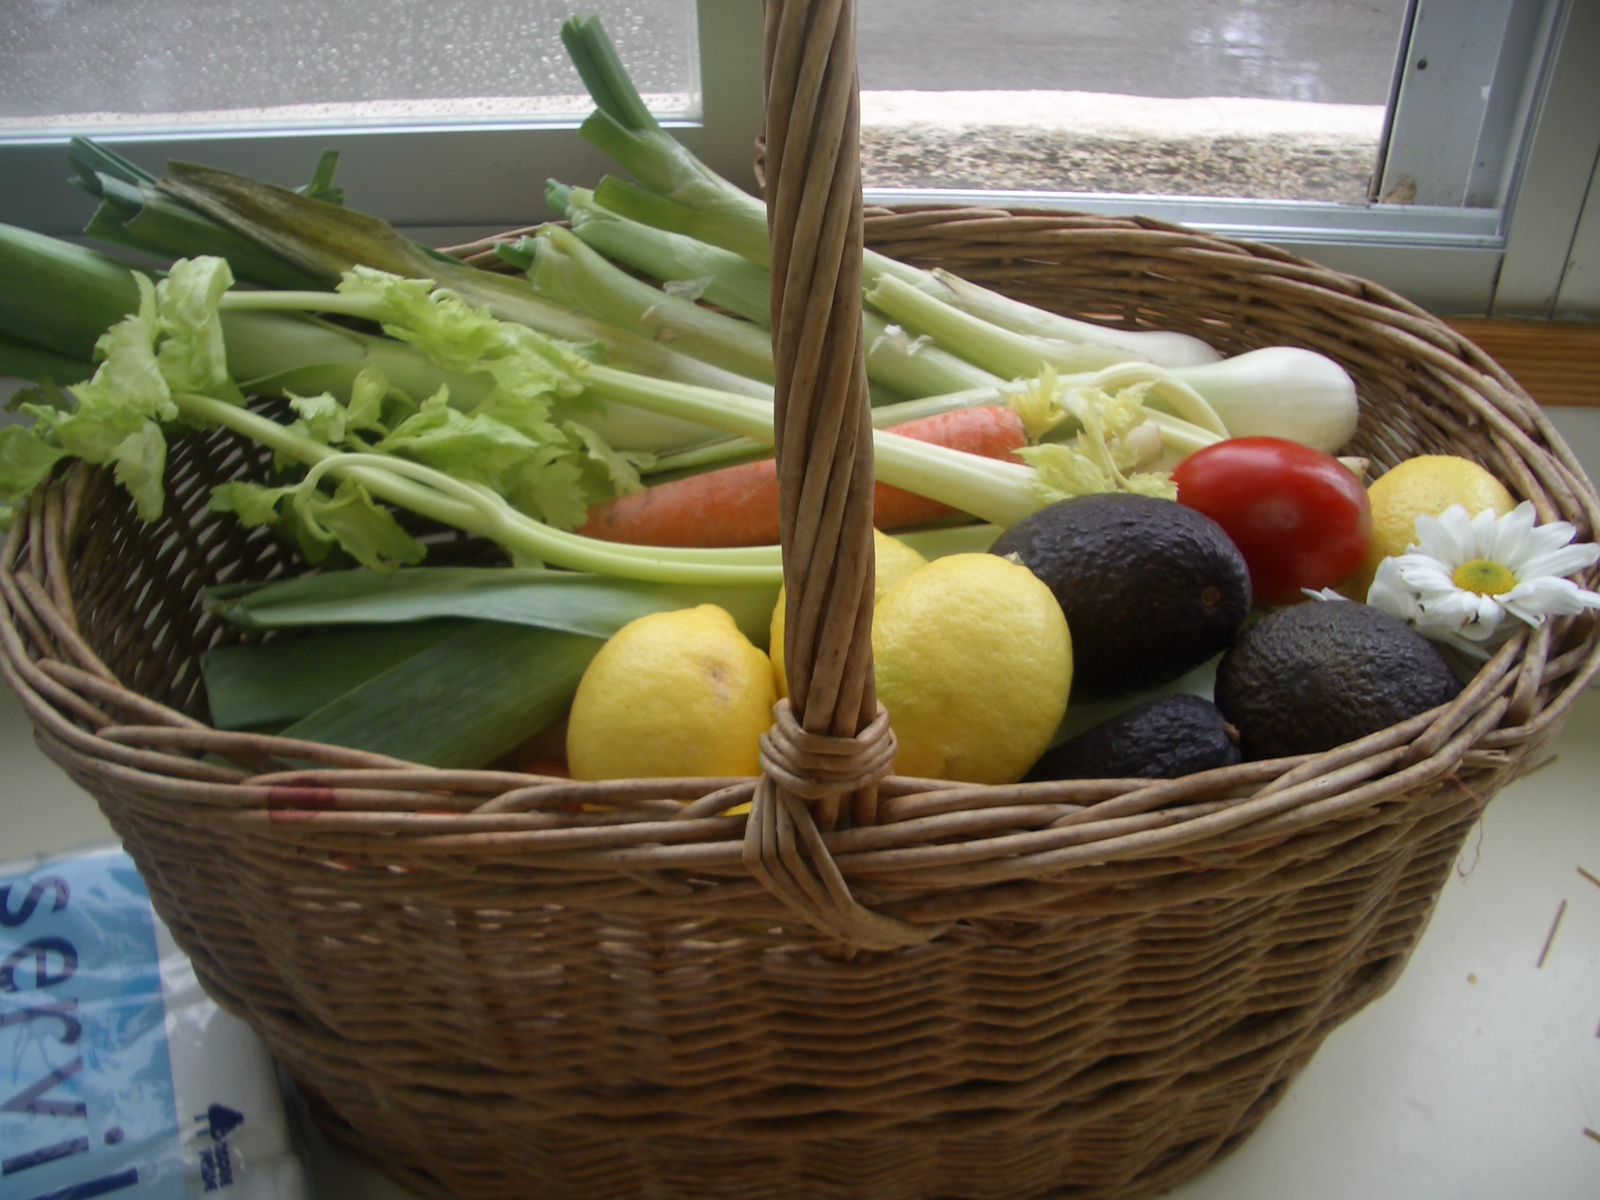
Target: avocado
x,y
1159,739
1150,589
1311,677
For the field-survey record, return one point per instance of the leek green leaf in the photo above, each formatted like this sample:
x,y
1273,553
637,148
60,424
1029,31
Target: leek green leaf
x,y
267,684
595,605
461,703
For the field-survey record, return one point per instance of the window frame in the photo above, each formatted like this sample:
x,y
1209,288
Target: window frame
x,y
1535,251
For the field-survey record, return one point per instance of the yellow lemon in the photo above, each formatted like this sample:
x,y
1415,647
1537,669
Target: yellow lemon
x,y
894,560
1426,485
672,694
974,664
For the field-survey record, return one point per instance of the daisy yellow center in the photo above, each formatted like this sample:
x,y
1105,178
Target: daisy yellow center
x,y
1484,577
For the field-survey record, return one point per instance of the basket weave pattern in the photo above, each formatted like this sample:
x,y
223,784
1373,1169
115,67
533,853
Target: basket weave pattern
x,y
1098,986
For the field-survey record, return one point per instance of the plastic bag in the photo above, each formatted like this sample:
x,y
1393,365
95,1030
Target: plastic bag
x,y
118,1075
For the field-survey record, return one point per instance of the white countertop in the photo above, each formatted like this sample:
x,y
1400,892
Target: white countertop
x,y
1477,1077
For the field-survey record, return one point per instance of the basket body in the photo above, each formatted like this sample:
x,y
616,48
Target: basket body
x,y
511,1003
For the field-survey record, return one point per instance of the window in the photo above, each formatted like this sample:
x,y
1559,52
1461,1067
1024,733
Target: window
x,y
1463,181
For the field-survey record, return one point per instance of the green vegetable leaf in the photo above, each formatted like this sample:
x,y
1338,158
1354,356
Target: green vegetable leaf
x,y
469,446
25,460
368,533
441,325
140,463
129,377
252,503
368,392
552,490
577,602
321,417
192,355
620,467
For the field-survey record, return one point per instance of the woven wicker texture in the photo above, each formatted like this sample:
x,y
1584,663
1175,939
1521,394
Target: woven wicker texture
x,y
1094,989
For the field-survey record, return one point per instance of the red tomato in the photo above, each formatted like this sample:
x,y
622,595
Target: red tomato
x,y
1300,517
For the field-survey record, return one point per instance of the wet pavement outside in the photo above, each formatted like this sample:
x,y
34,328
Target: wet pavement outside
x,y
1265,99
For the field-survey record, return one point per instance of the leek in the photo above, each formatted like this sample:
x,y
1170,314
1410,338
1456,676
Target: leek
x,y
261,685
324,240
564,268
723,278
461,703
735,220
893,360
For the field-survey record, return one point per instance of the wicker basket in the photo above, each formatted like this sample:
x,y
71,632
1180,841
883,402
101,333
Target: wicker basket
x,y
876,988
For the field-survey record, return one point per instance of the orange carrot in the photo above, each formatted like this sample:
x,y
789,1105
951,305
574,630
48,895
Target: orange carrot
x,y
738,506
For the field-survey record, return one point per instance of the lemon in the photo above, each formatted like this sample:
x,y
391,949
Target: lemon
x,y
974,664
1426,485
894,560
672,694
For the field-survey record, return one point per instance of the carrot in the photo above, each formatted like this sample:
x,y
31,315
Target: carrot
x,y
738,506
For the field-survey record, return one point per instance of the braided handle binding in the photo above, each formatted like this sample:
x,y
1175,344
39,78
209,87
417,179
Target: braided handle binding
x,y
832,742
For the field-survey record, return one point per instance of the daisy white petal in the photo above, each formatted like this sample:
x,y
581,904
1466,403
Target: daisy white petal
x,y
1447,537
1423,573
1507,533
1566,560
1552,597
1390,593
1489,612
1486,529
1454,608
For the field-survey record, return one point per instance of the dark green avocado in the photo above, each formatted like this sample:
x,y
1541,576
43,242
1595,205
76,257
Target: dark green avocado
x,y
1150,589
1312,677
1165,738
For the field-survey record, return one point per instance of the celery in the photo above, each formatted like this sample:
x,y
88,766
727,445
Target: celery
x,y
1162,347
493,471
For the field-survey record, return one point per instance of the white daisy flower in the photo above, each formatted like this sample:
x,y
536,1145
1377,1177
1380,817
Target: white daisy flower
x,y
1464,575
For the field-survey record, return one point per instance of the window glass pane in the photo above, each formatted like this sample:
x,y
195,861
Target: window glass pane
x,y
94,64
1268,99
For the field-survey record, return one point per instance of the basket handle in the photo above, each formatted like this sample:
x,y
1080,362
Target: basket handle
x,y
831,744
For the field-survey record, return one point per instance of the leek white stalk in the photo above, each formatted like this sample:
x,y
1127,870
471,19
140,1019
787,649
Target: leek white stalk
x,y
1280,391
